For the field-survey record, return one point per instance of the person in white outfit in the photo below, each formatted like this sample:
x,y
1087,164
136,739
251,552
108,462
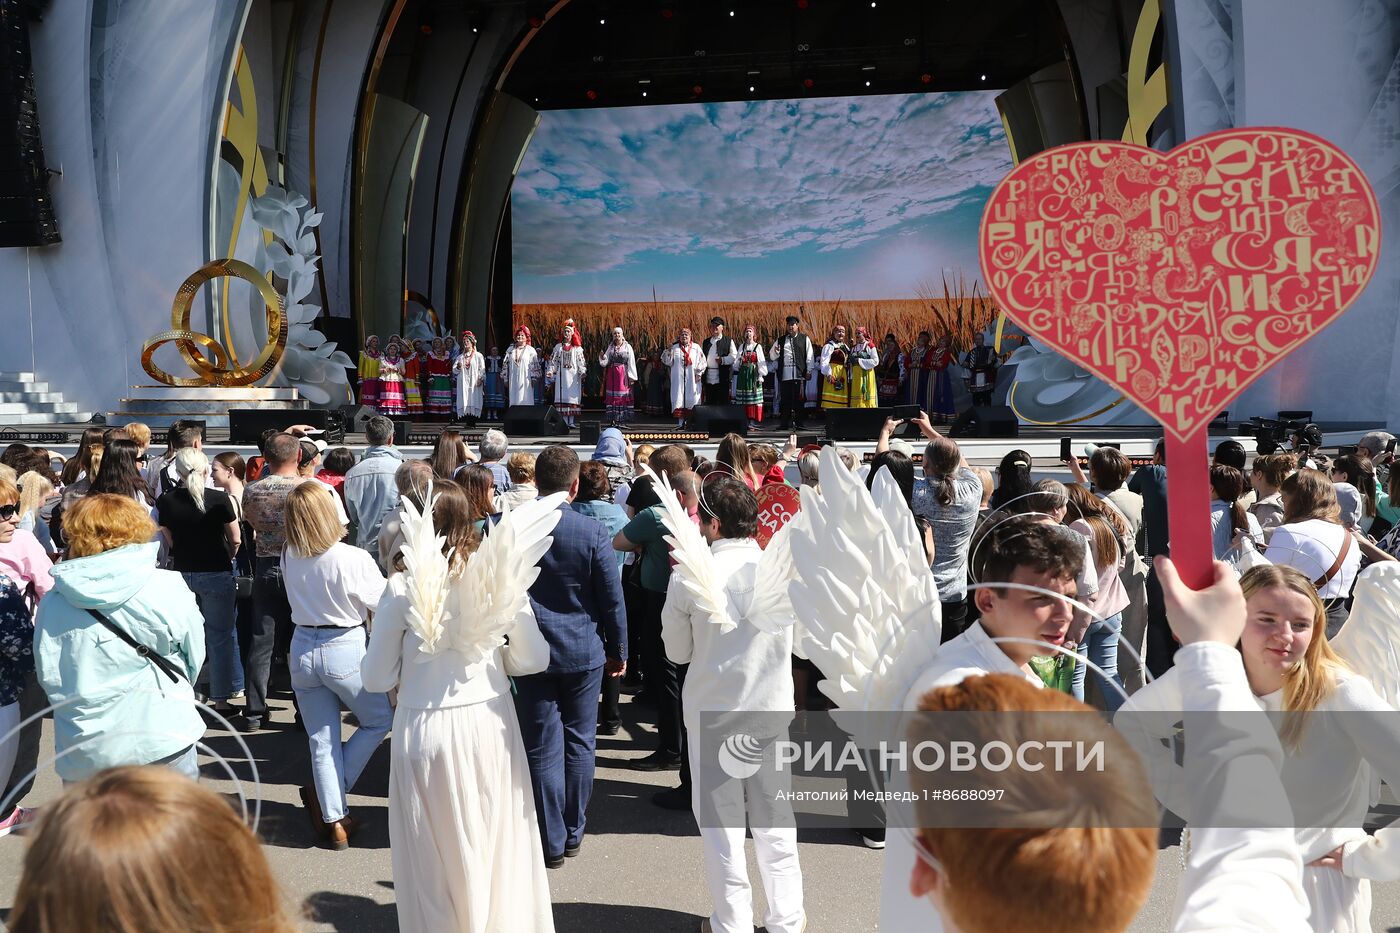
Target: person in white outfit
x,y
470,369
686,361
1086,877
522,368
1313,540
565,372
1344,735
465,843
737,666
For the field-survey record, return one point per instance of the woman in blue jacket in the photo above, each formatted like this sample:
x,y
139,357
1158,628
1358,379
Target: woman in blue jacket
x,y
112,705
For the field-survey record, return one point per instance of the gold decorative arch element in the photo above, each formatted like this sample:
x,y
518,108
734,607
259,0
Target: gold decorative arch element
x,y
212,365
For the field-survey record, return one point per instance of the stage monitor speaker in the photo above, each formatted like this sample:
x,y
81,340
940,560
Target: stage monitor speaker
x,y
401,432
986,421
855,424
719,420
589,432
357,416
533,421
246,425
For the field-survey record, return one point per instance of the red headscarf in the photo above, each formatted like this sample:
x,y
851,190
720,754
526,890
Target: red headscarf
x,y
468,335
522,329
575,342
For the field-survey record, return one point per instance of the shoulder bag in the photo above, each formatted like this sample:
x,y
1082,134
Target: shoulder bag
x,y
169,670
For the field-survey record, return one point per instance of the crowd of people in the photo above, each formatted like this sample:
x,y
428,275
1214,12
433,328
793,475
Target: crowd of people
x,y
442,379
486,609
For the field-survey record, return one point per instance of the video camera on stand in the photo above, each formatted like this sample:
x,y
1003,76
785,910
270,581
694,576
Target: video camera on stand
x,y
1272,433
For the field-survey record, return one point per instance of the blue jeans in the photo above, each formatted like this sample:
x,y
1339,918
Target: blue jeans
x,y
1101,647
559,724
215,593
325,666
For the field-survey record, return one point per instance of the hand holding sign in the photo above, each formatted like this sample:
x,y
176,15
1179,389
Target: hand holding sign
x,y
1180,277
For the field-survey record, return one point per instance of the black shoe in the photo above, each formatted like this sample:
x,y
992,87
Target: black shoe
x,y
677,798
573,850
656,761
248,724
608,728
554,861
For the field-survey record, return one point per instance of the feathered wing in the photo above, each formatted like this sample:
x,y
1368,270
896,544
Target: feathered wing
x,y
425,572
868,611
772,611
695,565
493,588
1370,641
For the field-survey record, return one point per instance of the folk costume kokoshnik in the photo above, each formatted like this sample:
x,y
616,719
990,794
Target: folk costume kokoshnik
x,y
565,372
391,383
439,381
792,358
687,365
619,364
889,374
495,386
749,374
522,365
719,363
863,359
369,372
471,378
836,388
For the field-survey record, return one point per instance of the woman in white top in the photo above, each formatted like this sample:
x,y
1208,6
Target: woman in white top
x,y
1109,535
332,588
464,839
1313,540
1342,735
1228,518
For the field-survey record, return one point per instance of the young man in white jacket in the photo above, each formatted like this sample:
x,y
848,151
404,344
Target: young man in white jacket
x,y
740,669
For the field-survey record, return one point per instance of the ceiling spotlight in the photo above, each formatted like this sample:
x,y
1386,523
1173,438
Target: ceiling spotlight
x,y
808,83
667,12
984,77
591,94
697,90
872,4
602,22
867,84
644,93
750,88
926,78
731,12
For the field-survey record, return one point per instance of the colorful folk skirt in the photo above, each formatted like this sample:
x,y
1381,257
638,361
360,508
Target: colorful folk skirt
x,y
863,393
413,397
391,400
617,394
835,391
369,392
439,394
495,398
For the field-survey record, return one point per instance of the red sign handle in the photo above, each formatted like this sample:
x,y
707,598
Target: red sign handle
x,y
1188,509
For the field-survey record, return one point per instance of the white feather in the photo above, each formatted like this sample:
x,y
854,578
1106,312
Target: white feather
x,y
426,572
868,610
493,587
1370,640
695,565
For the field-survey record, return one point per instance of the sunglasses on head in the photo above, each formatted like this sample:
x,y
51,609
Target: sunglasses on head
x,y
8,512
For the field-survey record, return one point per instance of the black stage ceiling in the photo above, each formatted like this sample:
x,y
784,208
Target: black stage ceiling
x,y
597,53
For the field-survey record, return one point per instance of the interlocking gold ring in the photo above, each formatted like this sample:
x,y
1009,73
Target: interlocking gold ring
x,y
213,369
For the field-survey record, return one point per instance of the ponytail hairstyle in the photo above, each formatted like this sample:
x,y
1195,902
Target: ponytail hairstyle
x,y
192,467
941,461
1228,485
1013,478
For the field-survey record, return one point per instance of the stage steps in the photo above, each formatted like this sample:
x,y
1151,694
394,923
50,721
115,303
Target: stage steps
x,y
26,400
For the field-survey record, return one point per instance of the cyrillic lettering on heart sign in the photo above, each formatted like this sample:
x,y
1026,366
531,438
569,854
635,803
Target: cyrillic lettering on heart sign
x,y
1180,277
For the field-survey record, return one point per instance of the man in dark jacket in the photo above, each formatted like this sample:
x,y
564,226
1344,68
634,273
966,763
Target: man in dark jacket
x,y
577,601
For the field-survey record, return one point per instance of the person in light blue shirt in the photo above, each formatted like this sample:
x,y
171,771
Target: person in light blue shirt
x,y
113,706
369,487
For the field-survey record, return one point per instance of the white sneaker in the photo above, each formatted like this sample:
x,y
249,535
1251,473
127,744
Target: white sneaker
x,y
18,821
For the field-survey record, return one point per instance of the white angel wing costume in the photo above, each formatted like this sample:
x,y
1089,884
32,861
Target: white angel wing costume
x,y
770,609
869,612
1370,640
471,612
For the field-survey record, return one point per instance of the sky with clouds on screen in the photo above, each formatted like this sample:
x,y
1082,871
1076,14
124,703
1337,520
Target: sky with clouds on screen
x,y
856,197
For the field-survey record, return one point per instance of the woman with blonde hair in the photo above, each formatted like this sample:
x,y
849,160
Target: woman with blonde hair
x,y
451,629
1337,732
144,849
333,588
734,461
35,492
1313,540
117,644
201,527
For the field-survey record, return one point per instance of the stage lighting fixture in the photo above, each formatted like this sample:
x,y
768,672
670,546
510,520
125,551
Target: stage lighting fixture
x,y
984,77
667,12
644,93
750,88
867,84
926,78
808,83
802,4
591,94
731,12
602,22
867,67
697,90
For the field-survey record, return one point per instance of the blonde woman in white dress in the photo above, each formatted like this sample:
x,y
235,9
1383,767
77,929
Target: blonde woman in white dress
x,y
470,368
1344,737
452,626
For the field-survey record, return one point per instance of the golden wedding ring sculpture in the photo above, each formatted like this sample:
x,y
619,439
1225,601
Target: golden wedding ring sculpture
x,y
205,355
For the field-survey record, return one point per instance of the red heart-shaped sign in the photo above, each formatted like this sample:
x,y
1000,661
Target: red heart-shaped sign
x,y
1180,277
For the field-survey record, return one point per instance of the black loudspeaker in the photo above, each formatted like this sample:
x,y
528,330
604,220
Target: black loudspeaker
x,y
855,424
401,429
986,421
246,425
533,421
356,417
589,432
26,210
719,420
